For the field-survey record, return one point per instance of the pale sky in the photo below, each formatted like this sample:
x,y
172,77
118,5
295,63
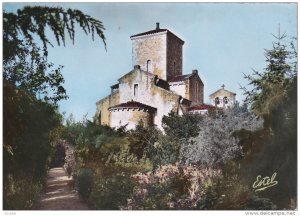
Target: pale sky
x,y
222,41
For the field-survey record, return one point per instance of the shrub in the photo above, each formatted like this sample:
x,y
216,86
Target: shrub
x,y
85,182
181,127
171,187
111,192
158,196
20,193
215,143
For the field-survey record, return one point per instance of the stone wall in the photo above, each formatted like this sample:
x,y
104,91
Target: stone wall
x,y
153,48
148,93
103,116
179,88
195,91
121,117
221,94
174,56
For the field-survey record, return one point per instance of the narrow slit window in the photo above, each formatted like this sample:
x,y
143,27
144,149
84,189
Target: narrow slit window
x,y
149,66
174,67
99,118
135,89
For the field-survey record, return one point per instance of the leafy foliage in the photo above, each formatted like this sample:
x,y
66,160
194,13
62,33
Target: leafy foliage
x,y
181,127
27,144
152,143
31,88
24,62
111,192
85,182
141,139
215,145
20,192
274,97
171,187
34,20
270,87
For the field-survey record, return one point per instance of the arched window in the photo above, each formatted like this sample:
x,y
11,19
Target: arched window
x,y
135,89
149,66
225,100
217,100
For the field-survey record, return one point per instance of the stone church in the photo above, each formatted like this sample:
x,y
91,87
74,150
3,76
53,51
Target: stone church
x,y
155,86
223,98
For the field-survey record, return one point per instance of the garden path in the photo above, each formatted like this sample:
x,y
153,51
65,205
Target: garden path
x,y
58,194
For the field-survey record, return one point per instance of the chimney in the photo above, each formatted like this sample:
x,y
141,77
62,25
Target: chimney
x,y
157,25
195,71
137,67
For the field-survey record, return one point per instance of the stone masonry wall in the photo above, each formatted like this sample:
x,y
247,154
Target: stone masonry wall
x,y
196,90
179,88
102,108
130,117
165,101
151,47
174,55
221,94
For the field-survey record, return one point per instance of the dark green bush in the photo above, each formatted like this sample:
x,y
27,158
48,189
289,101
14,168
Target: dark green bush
x,y
20,193
29,127
111,192
182,127
85,182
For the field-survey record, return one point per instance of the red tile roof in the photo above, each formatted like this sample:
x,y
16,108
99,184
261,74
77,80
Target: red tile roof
x,y
133,104
201,107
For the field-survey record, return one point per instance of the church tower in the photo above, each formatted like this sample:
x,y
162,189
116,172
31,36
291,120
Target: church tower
x,y
158,51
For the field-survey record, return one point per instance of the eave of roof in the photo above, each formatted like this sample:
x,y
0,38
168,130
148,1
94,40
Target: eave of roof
x,y
201,107
115,86
222,90
149,32
180,78
133,105
155,31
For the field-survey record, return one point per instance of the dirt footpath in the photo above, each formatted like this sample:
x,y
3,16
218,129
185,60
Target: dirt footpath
x,y
59,195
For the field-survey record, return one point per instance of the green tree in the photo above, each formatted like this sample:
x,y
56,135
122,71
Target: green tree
x,y
141,139
215,144
271,87
31,89
274,97
25,62
27,157
181,127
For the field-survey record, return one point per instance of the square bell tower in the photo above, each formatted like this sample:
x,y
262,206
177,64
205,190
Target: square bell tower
x,y
158,51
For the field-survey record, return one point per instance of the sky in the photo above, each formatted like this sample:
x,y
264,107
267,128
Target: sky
x,y
222,41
